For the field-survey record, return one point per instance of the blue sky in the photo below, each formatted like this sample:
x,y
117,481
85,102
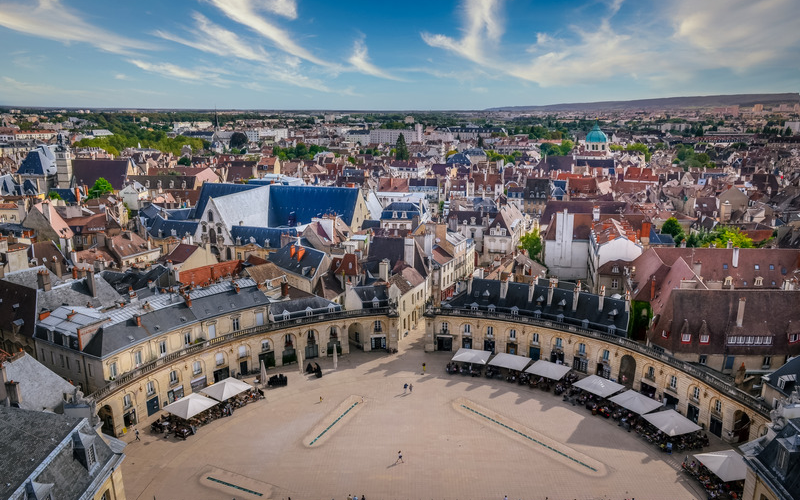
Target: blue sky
x,y
468,54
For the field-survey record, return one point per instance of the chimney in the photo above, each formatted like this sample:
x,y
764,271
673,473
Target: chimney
x,y
383,269
138,320
408,251
531,290
595,213
740,312
683,243
697,267
550,289
504,288
284,289
57,266
90,282
43,280
627,301
652,287
469,285
735,259
645,233
74,272
601,299
187,300
730,244
13,393
236,287
575,295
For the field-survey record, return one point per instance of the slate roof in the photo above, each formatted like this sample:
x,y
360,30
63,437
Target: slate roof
x,y
216,190
400,210
39,161
300,307
302,203
167,226
137,279
789,369
487,292
368,294
787,485
267,237
87,171
306,265
40,387
248,208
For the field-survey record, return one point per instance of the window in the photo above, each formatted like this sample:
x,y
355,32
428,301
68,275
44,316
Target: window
x,y
606,354
151,388
112,370
242,351
137,358
287,340
772,267
127,401
212,331
535,338
259,318
724,266
512,334
559,343
378,326
61,357
187,338
686,338
582,349
489,331
696,393
651,373
173,377
718,406
782,460
728,281
703,359
162,348
673,382
445,326
197,368
759,281
235,323
767,362
78,365
220,359
756,267
793,337
615,283
210,216
90,457
664,334
265,345
704,338
467,329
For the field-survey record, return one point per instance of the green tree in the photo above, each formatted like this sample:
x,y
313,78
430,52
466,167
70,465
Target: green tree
x,y
401,149
480,142
532,243
185,161
720,237
238,140
671,227
101,187
54,196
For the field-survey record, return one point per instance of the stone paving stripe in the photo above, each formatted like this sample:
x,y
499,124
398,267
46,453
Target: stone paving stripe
x,y
233,486
334,423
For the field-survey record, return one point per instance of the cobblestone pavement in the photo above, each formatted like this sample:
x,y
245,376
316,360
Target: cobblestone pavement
x,y
264,451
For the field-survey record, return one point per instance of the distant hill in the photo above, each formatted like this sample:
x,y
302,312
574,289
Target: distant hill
x,y
707,101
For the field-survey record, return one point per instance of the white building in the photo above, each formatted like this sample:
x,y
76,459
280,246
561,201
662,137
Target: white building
x,y
611,239
389,136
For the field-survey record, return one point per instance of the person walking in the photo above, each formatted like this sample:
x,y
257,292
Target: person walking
x,y
405,388
410,388
137,434
423,368
320,399
399,458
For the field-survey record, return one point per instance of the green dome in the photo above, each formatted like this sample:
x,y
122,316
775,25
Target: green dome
x,y
596,135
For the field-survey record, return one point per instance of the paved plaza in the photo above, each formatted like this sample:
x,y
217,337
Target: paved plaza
x,y
461,438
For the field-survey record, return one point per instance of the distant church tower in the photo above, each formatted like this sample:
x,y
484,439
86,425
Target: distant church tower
x,y
63,163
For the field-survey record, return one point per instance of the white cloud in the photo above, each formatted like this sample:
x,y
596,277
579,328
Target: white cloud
x,y
285,8
360,61
738,34
482,24
246,12
52,20
169,70
121,76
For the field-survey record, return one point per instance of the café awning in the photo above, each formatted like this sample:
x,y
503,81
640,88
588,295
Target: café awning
x,y
546,369
726,464
464,355
636,402
226,389
189,406
671,423
510,361
599,386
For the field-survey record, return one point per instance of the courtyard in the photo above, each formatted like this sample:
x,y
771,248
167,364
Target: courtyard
x,y
461,438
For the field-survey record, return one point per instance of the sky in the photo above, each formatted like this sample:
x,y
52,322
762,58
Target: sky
x,y
373,55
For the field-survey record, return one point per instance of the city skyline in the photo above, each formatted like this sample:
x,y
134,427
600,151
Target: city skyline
x,y
471,54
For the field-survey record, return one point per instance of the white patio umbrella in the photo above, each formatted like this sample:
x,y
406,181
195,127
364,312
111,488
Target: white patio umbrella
x,y
636,402
726,464
335,356
599,386
547,369
510,361
226,389
465,355
189,406
263,375
671,423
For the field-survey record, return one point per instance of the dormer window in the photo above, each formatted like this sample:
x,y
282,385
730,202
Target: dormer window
x,y
728,281
759,281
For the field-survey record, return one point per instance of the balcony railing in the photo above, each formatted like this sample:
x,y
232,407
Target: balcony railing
x,y
194,349
719,382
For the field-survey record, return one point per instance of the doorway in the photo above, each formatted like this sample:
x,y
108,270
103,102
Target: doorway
x,y
444,343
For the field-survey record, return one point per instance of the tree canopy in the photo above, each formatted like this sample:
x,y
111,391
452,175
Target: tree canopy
x,y
532,243
185,161
720,237
238,140
101,187
673,228
401,149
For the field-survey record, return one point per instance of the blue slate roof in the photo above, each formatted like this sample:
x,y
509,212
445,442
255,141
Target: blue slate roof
x,y
179,213
39,161
215,190
181,227
67,195
459,159
292,205
661,239
400,210
261,235
307,266
8,187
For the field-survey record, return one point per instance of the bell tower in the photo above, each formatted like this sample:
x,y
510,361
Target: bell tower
x,y
63,163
